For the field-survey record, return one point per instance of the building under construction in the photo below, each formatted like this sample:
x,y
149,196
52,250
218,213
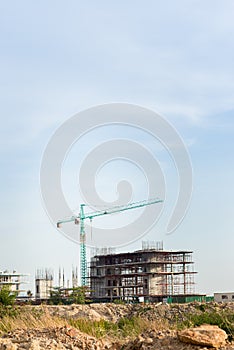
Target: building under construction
x,y
150,273
12,280
44,282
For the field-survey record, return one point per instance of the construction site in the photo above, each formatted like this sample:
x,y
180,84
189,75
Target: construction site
x,y
149,274
45,283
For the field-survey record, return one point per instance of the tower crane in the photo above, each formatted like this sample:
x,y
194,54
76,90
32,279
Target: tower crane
x,y
82,216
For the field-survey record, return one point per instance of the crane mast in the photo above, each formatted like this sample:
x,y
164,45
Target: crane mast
x,y
79,219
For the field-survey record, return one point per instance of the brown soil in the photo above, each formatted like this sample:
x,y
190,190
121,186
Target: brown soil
x,y
161,337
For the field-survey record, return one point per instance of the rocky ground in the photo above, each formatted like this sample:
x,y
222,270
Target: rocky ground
x,y
163,337
113,312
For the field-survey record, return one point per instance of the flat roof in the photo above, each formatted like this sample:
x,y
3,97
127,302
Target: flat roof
x,y
145,251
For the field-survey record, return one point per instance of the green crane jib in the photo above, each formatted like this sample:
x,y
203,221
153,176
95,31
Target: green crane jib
x,y
79,219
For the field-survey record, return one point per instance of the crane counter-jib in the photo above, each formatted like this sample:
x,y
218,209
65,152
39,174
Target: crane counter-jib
x,y
73,218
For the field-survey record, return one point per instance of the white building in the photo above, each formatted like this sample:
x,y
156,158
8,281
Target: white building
x,y
12,279
224,297
44,284
43,288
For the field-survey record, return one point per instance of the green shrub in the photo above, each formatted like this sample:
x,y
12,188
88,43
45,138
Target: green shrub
x,y
123,328
119,302
94,328
7,297
223,319
202,307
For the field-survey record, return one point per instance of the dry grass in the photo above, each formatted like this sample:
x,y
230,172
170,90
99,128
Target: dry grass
x,y
125,327
40,318
27,318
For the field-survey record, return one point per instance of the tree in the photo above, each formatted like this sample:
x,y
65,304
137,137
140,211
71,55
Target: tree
x,y
56,296
7,297
65,296
78,295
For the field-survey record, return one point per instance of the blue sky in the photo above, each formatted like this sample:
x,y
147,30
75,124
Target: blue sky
x,y
175,57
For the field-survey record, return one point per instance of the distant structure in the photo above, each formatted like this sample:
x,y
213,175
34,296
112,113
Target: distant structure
x,y
74,277
224,297
44,284
61,282
13,280
150,273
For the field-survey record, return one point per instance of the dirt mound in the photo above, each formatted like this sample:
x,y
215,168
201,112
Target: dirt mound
x,y
61,338
54,338
152,312
159,333
95,312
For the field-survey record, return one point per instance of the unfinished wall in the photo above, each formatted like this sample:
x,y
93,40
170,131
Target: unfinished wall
x,y
148,272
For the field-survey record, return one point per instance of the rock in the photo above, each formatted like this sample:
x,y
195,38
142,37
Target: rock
x,y
72,332
6,344
34,345
160,332
204,335
148,340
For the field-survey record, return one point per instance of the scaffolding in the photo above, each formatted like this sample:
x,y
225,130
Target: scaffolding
x,y
152,273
